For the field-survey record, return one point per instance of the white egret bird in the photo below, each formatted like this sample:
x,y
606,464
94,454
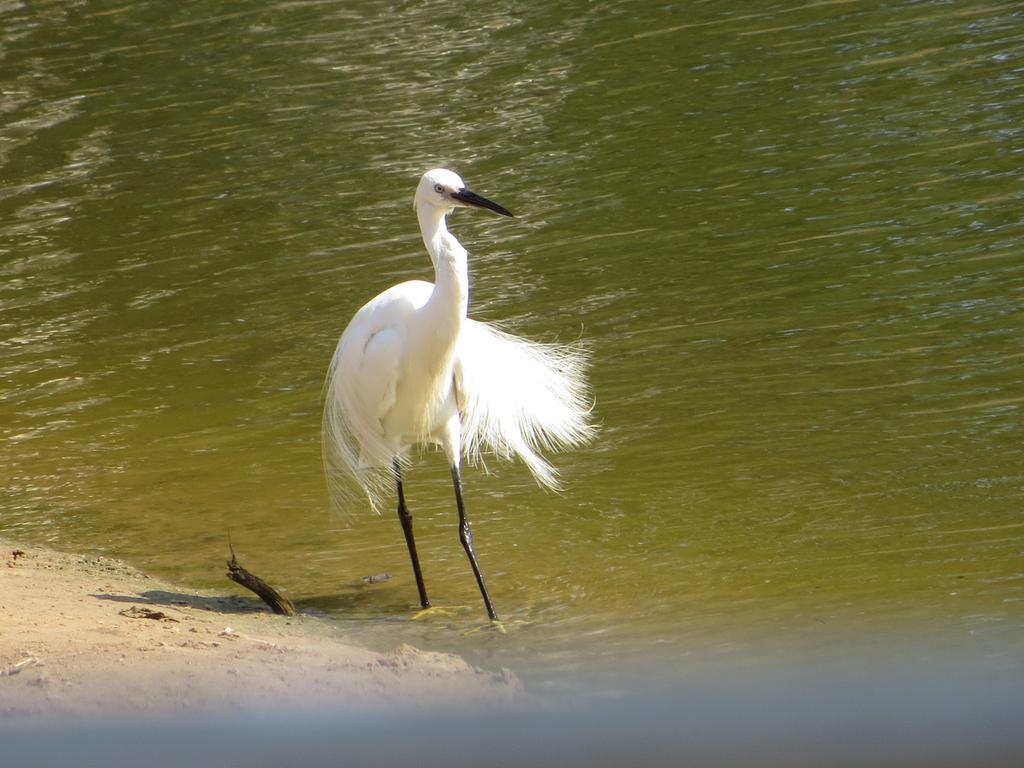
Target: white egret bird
x,y
411,368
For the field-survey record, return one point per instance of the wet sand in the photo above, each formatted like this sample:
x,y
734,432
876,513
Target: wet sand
x,y
84,636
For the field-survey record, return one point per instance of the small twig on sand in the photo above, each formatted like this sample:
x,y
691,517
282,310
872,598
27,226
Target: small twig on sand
x,y
141,612
14,669
278,603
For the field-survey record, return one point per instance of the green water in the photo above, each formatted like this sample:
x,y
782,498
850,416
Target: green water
x,y
792,234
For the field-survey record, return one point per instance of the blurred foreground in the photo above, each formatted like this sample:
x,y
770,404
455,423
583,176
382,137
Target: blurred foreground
x,y
890,716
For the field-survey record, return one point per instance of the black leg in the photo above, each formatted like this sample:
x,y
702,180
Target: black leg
x,y
406,519
466,537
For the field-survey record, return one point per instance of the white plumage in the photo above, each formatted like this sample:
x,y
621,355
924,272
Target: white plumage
x,y
519,397
411,368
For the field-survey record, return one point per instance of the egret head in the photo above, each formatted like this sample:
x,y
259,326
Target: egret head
x,y
445,190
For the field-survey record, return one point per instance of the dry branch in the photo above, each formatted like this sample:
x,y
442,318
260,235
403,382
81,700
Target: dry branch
x,y
278,603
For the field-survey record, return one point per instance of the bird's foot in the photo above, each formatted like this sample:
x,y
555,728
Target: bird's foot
x,y
440,610
496,625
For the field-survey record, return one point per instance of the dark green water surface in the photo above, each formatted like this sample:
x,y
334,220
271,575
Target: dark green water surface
x,y
792,233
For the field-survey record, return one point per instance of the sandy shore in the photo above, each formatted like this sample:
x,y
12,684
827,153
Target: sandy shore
x,y
82,635
88,644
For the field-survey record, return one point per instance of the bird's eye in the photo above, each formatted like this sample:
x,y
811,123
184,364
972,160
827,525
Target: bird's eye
x,y
439,188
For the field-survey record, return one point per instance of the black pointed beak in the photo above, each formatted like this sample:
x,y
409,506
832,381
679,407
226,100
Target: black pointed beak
x,y
466,197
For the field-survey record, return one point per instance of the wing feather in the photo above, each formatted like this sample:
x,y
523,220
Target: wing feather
x,y
359,390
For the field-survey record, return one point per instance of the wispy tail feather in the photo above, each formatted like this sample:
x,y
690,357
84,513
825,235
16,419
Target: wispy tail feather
x,y
519,397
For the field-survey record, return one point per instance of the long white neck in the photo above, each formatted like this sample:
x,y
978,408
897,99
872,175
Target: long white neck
x,y
450,299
